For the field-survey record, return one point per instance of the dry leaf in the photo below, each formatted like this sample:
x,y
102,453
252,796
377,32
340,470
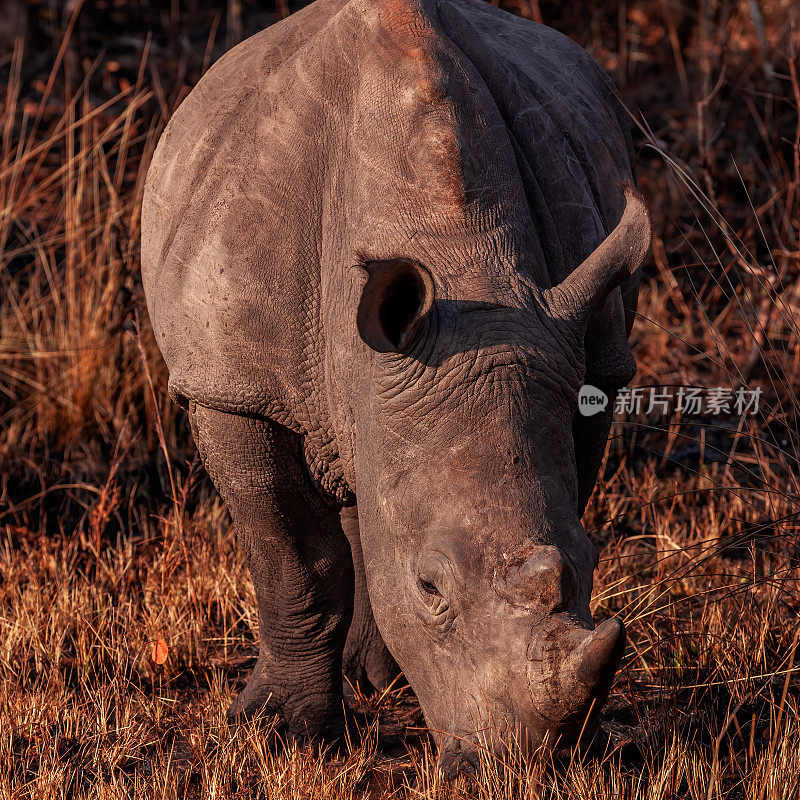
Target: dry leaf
x,y
160,651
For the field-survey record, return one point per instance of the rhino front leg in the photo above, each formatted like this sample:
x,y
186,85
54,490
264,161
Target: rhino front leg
x,y
301,567
366,659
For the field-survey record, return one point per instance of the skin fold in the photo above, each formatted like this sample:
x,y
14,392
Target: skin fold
x,y
384,244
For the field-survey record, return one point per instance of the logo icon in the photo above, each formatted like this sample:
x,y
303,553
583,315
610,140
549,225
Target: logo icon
x,y
591,400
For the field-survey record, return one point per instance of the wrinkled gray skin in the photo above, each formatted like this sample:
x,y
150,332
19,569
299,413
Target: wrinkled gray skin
x,y
382,251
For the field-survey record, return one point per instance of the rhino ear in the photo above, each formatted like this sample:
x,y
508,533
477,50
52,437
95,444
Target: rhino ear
x,y
611,264
395,299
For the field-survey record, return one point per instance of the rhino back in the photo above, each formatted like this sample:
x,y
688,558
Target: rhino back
x,y
268,183
571,139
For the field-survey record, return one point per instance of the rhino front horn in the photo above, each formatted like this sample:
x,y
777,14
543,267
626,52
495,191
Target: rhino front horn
x,y
596,659
613,262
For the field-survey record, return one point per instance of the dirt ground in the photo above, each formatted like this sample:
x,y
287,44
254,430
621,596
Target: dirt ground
x,y
127,618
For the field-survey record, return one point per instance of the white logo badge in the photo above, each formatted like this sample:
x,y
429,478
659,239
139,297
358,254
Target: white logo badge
x,y
591,400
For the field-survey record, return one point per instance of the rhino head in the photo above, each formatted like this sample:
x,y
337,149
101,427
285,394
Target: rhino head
x,y
481,580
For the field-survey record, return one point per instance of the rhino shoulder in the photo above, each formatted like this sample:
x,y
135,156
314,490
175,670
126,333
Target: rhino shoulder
x,y
230,230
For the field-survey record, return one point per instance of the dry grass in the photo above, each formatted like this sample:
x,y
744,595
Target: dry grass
x,y
127,617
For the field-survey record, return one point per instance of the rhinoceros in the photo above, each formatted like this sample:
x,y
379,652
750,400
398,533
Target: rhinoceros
x,y
384,244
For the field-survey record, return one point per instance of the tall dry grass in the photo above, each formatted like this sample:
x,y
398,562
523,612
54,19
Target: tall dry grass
x,y
127,617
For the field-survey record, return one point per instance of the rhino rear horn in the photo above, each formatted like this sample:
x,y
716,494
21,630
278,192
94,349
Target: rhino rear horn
x,y
611,264
394,301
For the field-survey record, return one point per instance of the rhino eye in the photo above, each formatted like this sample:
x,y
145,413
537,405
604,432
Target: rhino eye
x,y
429,587
433,582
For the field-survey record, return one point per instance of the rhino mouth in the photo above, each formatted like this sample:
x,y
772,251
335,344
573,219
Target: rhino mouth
x,y
564,694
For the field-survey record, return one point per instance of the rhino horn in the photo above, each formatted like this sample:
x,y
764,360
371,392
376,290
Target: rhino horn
x,y
616,259
546,578
594,662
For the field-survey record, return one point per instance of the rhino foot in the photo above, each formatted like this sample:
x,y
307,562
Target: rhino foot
x,y
310,718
